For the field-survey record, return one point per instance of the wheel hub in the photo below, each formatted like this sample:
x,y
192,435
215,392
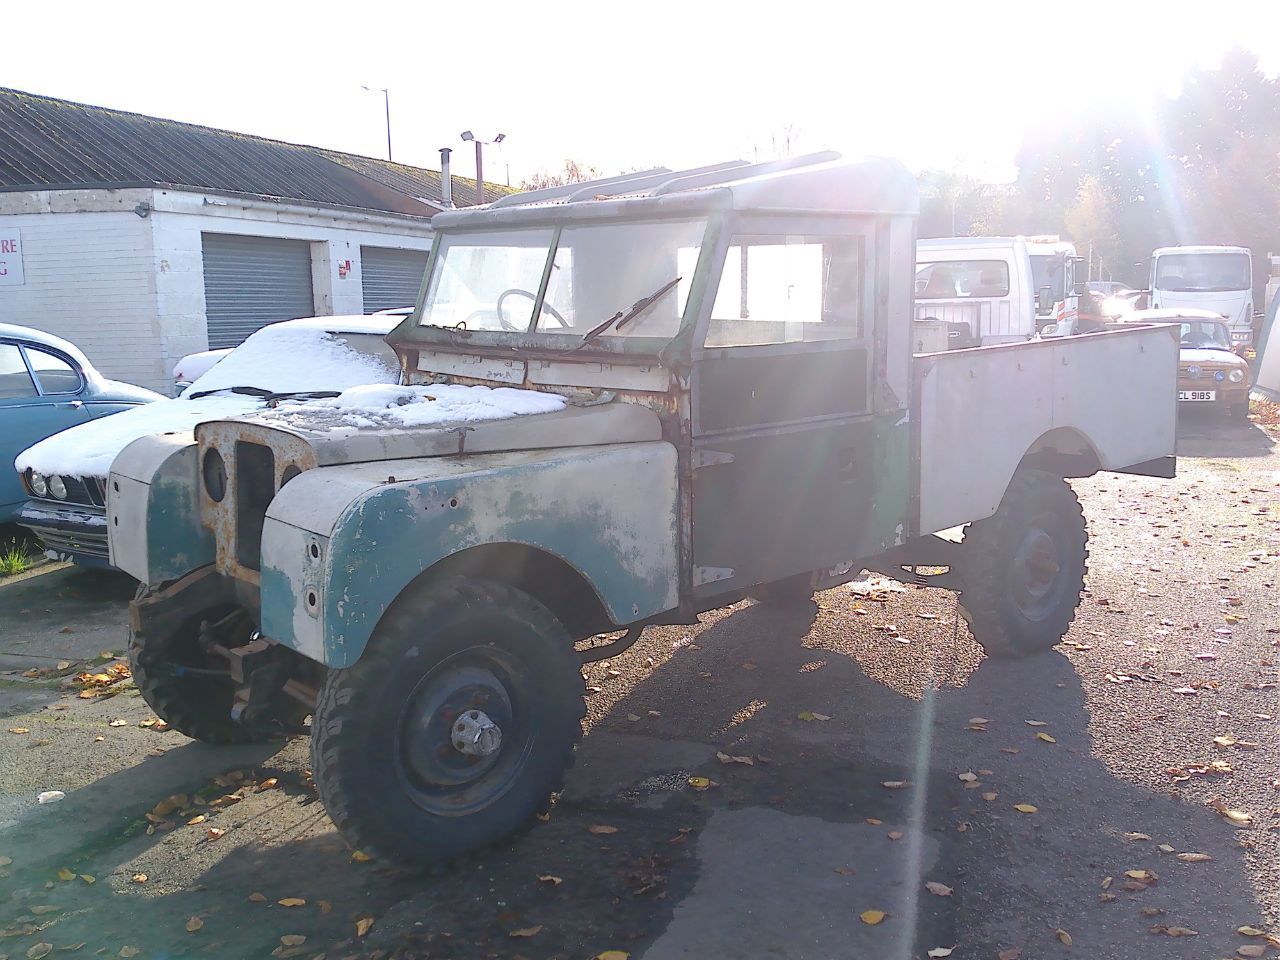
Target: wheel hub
x,y
1036,571
476,735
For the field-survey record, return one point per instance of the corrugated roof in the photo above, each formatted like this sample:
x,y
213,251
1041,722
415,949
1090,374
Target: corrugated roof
x,y
46,143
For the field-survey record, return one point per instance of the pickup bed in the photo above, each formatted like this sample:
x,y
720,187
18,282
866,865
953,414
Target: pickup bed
x,y
1075,405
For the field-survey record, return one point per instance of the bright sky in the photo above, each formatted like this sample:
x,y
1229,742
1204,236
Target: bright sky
x,y
624,86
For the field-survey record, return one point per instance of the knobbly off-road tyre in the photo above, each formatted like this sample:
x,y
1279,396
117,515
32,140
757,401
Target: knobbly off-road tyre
x,y
1024,567
383,758
196,705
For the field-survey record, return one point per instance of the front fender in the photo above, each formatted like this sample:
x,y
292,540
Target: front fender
x,y
340,543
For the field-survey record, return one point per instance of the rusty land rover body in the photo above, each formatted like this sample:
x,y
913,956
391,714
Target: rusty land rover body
x,y
693,388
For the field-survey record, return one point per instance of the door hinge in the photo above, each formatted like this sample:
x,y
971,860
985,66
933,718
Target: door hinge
x,y
703,575
710,458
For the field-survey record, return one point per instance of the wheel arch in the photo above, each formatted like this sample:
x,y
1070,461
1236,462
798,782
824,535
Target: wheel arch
x,y
1063,451
543,574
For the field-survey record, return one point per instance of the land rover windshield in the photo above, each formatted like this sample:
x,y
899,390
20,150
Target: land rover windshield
x,y
568,282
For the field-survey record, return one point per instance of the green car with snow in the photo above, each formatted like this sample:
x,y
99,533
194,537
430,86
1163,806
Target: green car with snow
x,y
624,403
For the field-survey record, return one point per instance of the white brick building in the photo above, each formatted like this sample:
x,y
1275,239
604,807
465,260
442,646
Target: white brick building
x,y
142,240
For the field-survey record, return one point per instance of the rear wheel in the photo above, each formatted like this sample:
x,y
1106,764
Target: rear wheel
x,y
1024,567
454,728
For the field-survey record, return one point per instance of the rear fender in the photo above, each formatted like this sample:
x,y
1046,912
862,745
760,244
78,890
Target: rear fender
x,y
341,543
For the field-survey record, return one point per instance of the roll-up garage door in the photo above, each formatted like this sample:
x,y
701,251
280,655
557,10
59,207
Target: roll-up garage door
x,y
252,281
391,278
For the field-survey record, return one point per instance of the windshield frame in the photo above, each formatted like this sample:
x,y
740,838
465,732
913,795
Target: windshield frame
x,y
413,334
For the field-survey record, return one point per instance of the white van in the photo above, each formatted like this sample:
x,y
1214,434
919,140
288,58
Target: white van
x,y
1266,368
1207,278
1053,268
980,288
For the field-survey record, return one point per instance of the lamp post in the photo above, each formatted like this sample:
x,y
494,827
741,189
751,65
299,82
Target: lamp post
x,y
467,135
386,102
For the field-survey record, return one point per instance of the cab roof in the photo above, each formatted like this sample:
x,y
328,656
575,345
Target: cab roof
x,y
1203,248
817,183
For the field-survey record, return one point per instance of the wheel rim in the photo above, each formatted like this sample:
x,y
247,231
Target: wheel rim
x,y
463,736
1037,572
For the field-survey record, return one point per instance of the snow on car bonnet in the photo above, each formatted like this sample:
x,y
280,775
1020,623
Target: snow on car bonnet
x,y
293,358
384,405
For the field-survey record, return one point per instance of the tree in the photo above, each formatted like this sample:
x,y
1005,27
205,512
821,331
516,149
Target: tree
x,y
573,171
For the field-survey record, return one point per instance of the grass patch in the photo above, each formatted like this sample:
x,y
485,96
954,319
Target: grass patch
x,y
14,558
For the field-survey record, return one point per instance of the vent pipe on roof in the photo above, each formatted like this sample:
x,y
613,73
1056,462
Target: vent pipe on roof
x,y
446,178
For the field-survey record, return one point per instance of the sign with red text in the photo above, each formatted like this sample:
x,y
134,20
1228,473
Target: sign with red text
x,y
10,256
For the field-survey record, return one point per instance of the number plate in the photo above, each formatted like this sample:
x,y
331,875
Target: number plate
x,y
1197,395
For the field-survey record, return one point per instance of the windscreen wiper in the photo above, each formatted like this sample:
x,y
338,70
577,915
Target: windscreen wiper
x,y
620,319
270,396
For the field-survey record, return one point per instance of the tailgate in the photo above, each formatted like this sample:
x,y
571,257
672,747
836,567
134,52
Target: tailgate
x,y
978,412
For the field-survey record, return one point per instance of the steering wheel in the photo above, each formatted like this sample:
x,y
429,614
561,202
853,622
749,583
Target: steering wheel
x,y
508,325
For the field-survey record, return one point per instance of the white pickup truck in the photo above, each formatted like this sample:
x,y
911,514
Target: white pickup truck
x,y
625,402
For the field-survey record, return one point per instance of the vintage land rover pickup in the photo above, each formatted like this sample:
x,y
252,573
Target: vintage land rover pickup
x,y
730,408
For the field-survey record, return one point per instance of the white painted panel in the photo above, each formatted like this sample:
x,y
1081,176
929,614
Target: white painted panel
x,y
981,410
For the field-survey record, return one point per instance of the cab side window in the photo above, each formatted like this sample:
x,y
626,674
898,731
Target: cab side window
x,y
54,374
15,381
788,289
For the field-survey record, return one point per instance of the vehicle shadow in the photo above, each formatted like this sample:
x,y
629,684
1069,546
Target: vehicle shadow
x,y
1210,433
829,705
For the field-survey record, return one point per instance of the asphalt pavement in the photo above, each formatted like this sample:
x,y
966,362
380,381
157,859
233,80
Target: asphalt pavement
x,y
877,788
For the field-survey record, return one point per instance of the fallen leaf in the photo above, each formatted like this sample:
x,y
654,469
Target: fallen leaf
x,y
1063,937
213,833
702,783
1165,848
65,874
268,784
139,878
978,721
872,917
292,902
359,856
1135,837
845,871
633,717
198,818
40,950
808,716
726,758
895,784
118,723
1174,931
968,777
88,878
940,951
363,926
1251,950
1045,737
601,829
550,879
293,939
324,906
895,834
1194,857
1035,723
526,931
1025,808
874,821
257,897
938,889
128,952
1248,931
1106,883
19,730
194,924
612,955
990,795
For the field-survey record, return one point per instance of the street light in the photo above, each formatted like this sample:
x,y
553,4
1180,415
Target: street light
x,y
386,99
468,136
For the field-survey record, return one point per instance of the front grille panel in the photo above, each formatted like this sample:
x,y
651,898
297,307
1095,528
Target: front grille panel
x,y
78,542
255,486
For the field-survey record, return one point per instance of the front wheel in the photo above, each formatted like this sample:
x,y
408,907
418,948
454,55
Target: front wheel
x,y
1024,567
454,728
